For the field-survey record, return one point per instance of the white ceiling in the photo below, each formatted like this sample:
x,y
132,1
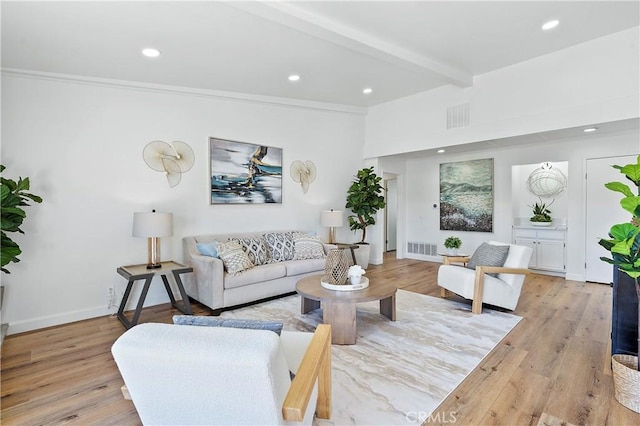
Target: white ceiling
x,y
337,47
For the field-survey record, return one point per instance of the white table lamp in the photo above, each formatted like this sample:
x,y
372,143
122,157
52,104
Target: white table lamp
x,y
153,226
331,219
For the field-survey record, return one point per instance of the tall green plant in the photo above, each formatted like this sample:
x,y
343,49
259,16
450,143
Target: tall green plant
x,y
624,243
13,197
364,200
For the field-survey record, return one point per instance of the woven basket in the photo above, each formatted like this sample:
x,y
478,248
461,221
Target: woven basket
x,y
626,380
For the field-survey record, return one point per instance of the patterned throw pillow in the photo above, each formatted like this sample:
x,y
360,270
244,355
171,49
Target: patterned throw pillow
x,y
256,249
488,255
307,247
235,260
280,245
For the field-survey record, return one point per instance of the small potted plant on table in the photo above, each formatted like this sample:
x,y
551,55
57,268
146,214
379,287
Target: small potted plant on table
x,y
452,244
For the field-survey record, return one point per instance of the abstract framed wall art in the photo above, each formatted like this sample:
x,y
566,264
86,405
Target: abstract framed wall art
x,y
466,196
244,173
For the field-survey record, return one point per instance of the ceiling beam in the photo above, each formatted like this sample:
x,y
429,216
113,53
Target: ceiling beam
x,y
297,18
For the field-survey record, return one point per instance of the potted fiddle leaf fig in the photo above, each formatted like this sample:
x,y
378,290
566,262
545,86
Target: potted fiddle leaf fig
x,y
624,245
364,199
14,197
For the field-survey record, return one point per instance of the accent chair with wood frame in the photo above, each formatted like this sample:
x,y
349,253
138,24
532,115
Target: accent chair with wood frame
x,y
177,374
501,290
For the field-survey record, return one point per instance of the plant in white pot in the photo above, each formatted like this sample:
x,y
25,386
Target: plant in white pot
x,y
624,245
541,214
13,197
452,244
364,199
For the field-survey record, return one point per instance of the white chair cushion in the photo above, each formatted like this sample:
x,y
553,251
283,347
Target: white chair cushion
x,y
461,281
203,375
519,257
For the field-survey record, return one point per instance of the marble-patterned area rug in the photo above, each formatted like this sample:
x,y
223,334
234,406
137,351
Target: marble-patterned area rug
x,y
398,372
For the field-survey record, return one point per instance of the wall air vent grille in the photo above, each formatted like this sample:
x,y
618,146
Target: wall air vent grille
x,y
427,249
458,116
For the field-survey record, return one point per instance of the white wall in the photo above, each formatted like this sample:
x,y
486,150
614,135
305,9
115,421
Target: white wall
x,y
81,145
588,83
422,187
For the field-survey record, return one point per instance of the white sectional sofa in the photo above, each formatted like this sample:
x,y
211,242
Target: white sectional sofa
x,y
212,285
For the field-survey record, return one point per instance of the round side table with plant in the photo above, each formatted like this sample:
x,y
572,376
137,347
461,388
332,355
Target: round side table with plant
x,y
452,244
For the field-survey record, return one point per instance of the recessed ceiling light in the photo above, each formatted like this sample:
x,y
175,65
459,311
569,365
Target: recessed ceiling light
x,y
151,53
590,129
440,151
367,90
294,77
551,24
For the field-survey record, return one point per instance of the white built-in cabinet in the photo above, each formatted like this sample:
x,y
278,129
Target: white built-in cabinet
x,y
548,247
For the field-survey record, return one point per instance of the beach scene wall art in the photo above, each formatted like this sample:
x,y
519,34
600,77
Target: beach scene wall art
x,y
244,173
466,196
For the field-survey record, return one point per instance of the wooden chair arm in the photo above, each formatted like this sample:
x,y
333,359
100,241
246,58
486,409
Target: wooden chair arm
x,y
478,285
501,270
316,364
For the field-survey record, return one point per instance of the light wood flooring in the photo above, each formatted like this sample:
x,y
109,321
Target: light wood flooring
x,y
552,369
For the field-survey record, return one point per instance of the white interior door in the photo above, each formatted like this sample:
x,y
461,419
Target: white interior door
x,y
391,215
603,211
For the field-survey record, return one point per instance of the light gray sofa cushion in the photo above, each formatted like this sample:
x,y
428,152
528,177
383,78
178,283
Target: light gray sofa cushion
x,y
255,275
297,267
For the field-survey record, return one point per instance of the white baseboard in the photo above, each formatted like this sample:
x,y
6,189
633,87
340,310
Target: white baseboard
x,y
575,277
73,316
56,319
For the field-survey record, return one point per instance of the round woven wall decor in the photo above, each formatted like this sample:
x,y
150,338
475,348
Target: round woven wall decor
x,y
547,181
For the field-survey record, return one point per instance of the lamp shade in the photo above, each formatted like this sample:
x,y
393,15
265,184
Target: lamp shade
x,y
152,224
331,218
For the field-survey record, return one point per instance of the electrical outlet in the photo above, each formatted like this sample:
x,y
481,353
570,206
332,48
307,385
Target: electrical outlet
x,y
111,294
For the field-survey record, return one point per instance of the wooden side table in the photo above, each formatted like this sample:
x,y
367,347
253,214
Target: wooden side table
x,y
448,259
134,273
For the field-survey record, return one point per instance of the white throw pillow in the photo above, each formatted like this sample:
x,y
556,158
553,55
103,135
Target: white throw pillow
x,y
307,247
